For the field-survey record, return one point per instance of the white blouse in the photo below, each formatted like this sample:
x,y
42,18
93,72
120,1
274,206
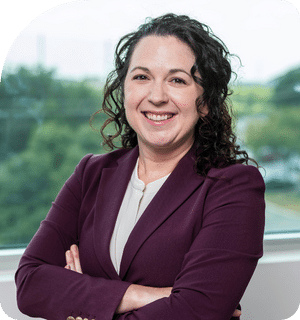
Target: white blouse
x,y
135,201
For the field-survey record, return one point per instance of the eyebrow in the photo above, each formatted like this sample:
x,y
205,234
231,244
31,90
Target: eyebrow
x,y
141,68
171,71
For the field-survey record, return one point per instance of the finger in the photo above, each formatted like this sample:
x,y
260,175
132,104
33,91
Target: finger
x,y
75,252
237,313
70,260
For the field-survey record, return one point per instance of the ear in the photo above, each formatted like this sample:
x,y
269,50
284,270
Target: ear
x,y
203,110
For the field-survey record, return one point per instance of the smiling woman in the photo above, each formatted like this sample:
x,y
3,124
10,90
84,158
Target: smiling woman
x,y
160,95
170,225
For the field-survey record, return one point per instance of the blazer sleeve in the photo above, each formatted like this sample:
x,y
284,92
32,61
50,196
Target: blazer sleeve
x,y
44,288
223,256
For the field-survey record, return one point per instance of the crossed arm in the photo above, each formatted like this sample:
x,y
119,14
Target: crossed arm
x,y
136,295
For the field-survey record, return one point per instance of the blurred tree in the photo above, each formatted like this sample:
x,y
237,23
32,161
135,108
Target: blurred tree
x,y
32,96
287,89
44,128
249,99
30,181
275,136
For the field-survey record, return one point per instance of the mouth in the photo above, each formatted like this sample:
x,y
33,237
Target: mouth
x,y
158,117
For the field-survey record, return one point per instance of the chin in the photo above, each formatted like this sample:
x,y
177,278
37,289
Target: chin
x,y
160,145
167,146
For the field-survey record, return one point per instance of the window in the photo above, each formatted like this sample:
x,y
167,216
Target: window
x,y
52,83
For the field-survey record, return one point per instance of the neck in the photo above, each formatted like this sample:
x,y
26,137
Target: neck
x,y
155,164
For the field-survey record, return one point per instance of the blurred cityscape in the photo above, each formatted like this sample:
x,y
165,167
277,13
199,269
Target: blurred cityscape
x,y
45,131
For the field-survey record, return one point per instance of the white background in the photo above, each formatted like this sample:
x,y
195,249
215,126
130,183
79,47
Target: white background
x,y
263,33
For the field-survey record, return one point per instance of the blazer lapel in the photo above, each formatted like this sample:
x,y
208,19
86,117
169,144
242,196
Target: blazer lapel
x,y
111,191
177,188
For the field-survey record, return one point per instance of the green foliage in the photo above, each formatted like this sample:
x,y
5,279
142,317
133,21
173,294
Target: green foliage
x,y
31,97
278,134
44,133
287,89
273,131
249,99
30,181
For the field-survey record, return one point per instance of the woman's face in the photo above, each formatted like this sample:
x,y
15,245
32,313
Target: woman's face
x,y
160,93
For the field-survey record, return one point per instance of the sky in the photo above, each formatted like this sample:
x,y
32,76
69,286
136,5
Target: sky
x,y
78,37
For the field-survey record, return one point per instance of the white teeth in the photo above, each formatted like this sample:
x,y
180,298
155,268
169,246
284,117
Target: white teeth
x,y
156,117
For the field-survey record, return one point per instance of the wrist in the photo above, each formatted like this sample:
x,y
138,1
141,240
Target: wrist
x,y
143,295
138,296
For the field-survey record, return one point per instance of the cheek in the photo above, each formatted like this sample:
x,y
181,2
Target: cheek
x,y
129,118
130,112
191,113
127,95
188,106
132,98
186,99
128,102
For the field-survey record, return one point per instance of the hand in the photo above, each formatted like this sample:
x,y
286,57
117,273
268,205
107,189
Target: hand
x,y
72,259
237,313
136,296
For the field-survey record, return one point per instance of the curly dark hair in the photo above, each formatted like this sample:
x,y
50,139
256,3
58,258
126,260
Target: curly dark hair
x,y
215,142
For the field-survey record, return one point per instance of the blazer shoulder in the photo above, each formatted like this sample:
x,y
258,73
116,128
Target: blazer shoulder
x,y
238,172
91,165
106,160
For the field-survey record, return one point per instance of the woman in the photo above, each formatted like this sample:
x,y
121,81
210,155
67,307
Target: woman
x,y
170,226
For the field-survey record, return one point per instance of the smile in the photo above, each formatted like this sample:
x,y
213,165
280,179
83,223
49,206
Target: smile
x,y
158,117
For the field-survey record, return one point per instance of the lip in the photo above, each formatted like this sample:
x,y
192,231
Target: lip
x,y
159,123
158,112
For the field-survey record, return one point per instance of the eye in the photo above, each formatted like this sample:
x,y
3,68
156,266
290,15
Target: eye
x,y
178,81
140,77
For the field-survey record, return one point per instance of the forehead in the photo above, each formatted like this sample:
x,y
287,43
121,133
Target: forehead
x,y
164,50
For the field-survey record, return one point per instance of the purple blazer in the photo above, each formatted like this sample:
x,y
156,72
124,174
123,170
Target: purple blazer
x,y
203,237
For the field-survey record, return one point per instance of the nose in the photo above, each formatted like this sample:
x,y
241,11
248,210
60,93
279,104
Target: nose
x,y
158,94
